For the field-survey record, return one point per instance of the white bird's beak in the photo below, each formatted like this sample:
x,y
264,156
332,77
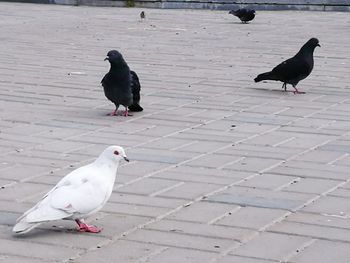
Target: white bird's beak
x,y
126,159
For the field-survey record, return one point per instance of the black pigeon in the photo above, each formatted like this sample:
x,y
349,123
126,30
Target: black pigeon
x,y
120,85
244,14
142,15
294,69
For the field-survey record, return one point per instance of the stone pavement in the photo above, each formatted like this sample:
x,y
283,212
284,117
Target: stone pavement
x,y
223,169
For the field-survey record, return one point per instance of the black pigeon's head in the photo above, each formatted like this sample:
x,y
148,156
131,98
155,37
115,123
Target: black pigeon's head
x,y
308,48
114,57
312,43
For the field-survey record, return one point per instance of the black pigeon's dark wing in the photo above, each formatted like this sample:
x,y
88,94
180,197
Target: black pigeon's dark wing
x,y
136,89
135,86
241,12
292,69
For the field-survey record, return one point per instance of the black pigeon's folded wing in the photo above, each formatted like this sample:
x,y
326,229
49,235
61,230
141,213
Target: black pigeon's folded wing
x,y
135,88
292,68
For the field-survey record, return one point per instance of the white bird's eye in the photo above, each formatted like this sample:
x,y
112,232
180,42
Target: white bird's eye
x,y
116,152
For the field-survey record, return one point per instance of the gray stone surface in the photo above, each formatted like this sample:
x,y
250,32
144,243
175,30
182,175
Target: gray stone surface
x,y
222,169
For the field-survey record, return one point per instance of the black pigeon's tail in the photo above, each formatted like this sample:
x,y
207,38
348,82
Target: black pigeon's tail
x,y
233,12
136,88
265,76
135,107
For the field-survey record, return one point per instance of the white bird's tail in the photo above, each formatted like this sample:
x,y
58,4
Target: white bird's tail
x,y
23,226
40,213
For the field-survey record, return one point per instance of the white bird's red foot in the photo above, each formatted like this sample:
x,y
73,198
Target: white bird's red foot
x,y
83,227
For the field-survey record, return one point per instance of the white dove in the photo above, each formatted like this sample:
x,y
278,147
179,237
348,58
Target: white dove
x,y
79,194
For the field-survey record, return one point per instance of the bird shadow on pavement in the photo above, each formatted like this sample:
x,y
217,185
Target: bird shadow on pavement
x,y
41,233
238,23
275,90
49,230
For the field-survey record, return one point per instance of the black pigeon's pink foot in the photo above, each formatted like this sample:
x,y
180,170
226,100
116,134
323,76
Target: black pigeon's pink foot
x,y
126,113
297,91
83,227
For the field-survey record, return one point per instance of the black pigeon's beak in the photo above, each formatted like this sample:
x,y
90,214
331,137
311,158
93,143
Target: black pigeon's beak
x,y
126,159
107,58
318,45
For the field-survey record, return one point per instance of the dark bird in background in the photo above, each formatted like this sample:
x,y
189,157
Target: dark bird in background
x,y
294,69
244,14
121,86
143,15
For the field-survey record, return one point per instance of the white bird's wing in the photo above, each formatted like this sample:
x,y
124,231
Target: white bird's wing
x,y
79,192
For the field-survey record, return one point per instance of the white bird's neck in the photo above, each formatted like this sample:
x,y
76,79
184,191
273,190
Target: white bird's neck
x,y
109,165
